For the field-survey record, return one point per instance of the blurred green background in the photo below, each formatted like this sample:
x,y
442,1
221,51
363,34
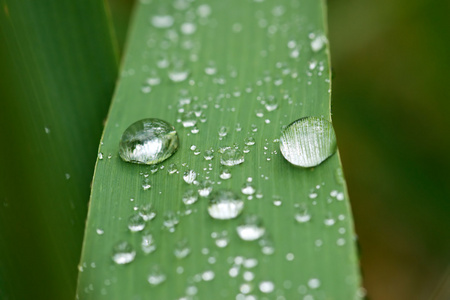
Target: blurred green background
x,y
391,113
391,108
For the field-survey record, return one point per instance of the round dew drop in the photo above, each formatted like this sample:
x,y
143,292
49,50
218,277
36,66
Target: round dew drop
x,y
308,141
123,253
225,205
148,141
251,229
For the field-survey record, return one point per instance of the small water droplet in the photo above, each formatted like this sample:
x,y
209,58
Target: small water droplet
x,y
156,276
314,283
231,157
148,243
249,141
189,176
136,223
225,174
208,275
209,154
100,155
225,205
100,231
204,188
266,287
302,215
190,197
181,249
146,184
173,168
170,220
188,119
188,28
318,42
221,239
251,229
162,21
248,189
147,212
123,253
223,131
271,103
178,74
307,142
148,141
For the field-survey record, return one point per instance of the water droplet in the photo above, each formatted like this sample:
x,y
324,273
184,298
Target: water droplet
x,y
211,68
204,10
209,154
223,131
249,141
307,142
188,119
156,276
232,157
251,229
188,28
178,74
173,168
148,141
170,220
100,231
302,215
329,221
271,103
318,42
123,253
100,155
181,249
221,239
189,176
148,243
204,188
147,212
146,184
190,197
266,245
208,275
250,263
248,189
314,283
162,21
266,287
136,223
225,205
153,80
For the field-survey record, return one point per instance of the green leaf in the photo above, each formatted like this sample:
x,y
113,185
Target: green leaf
x,y
57,72
252,68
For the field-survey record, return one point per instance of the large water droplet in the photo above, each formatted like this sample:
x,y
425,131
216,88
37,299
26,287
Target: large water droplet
x,y
123,253
225,205
307,142
251,229
148,141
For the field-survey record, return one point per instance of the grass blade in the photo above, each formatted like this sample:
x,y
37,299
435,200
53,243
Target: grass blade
x,y
237,54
